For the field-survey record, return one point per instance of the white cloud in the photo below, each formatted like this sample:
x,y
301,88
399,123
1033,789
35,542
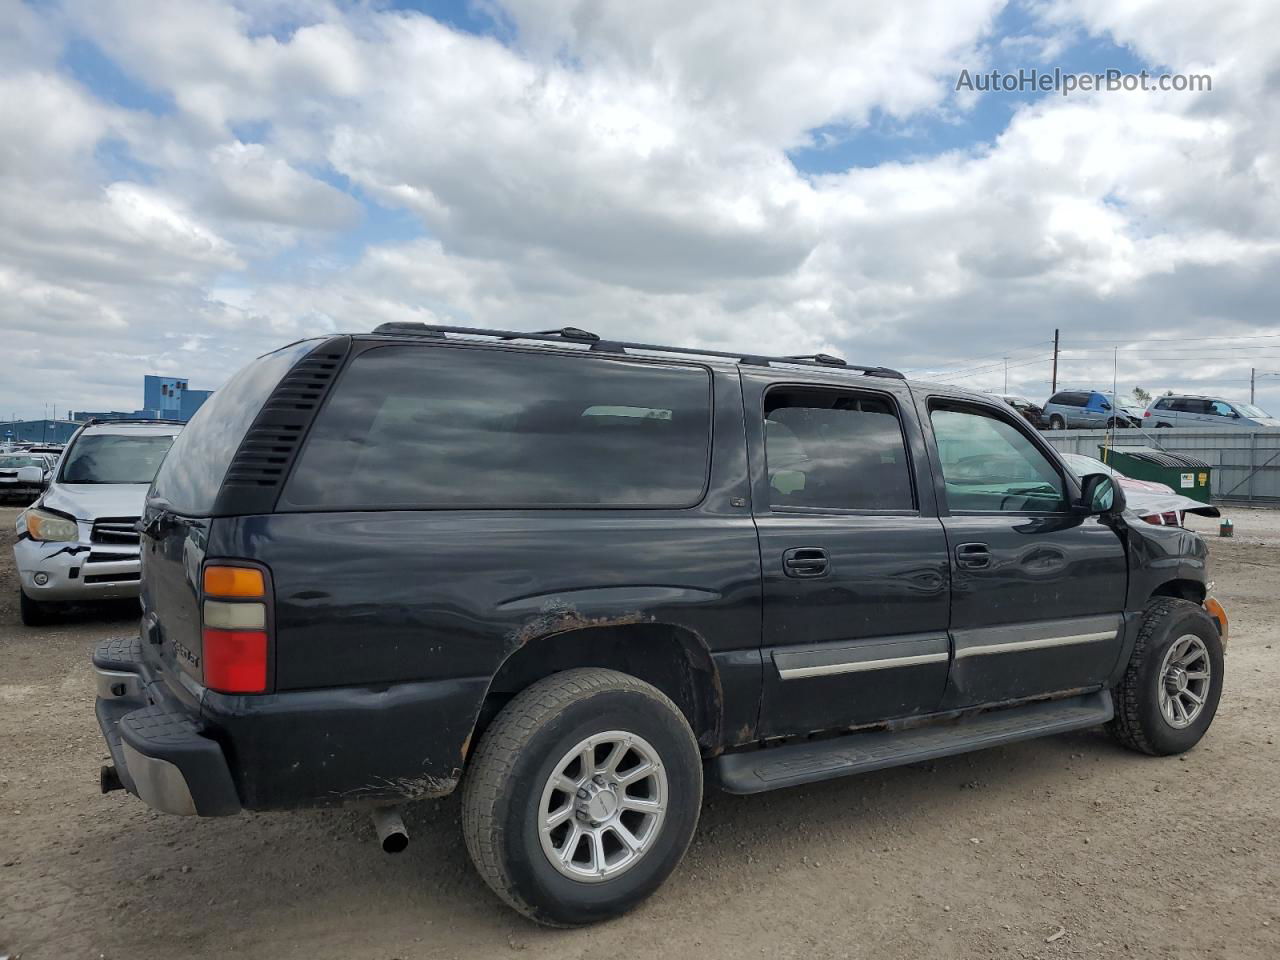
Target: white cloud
x,y
623,167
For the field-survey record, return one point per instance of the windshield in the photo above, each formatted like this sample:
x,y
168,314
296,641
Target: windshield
x,y
1249,410
21,462
114,458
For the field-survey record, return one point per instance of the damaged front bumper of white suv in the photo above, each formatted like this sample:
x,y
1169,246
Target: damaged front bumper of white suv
x,y
100,563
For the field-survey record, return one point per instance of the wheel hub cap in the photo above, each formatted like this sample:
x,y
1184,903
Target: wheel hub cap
x,y
596,801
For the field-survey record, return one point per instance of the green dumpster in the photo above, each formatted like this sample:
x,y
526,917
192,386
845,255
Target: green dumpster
x,y
1183,474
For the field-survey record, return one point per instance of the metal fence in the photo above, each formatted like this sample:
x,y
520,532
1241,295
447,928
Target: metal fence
x,y
1246,462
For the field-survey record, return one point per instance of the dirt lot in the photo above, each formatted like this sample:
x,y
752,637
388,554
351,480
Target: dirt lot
x,y
988,855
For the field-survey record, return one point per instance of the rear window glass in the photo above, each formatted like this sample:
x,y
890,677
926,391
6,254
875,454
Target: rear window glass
x,y
114,458
192,473
410,426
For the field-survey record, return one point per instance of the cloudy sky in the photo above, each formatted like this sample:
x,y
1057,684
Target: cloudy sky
x,y
184,185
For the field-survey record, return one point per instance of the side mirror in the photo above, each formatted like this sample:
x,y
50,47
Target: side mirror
x,y
1105,405
32,475
1100,495
1235,414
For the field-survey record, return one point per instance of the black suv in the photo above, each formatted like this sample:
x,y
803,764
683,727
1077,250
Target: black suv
x,y
577,576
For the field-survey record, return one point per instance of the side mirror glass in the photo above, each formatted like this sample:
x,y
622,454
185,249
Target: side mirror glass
x,y
1101,495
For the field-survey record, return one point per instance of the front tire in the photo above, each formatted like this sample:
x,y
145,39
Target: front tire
x,y
1170,690
34,613
582,796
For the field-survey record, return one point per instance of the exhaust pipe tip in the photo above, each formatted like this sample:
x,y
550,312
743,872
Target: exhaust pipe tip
x,y
109,778
392,834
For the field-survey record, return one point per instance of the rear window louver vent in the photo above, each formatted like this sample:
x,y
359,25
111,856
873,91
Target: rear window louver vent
x,y
262,461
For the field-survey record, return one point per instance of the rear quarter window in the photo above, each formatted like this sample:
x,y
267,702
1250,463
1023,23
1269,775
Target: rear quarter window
x,y
410,426
192,472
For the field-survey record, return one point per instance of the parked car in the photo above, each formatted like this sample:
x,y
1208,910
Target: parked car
x,y
77,542
1180,410
1086,409
1032,411
24,475
572,577
1154,502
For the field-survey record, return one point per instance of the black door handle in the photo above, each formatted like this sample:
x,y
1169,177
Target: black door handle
x,y
805,562
973,556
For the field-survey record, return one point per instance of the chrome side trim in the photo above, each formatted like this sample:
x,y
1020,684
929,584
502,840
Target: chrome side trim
x,y
1037,644
857,666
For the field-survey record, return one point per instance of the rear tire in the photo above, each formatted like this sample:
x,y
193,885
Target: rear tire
x,y
1057,423
511,795
34,613
1156,702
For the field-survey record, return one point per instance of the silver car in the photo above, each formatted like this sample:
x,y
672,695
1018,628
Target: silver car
x,y
24,474
77,542
1182,410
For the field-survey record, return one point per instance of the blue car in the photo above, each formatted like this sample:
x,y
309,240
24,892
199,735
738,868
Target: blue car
x,y
1086,409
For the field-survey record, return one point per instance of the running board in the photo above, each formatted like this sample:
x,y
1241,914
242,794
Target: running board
x,y
771,768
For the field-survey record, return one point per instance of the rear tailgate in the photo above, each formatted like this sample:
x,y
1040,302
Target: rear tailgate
x,y
222,448
172,556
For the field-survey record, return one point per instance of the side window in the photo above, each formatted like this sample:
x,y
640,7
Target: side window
x,y
423,427
1059,398
1164,403
990,466
831,450
1220,409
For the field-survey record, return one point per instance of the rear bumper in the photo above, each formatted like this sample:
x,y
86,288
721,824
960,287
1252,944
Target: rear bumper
x,y
160,755
216,754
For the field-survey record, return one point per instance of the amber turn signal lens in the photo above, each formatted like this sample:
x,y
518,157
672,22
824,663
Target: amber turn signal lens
x,y
1219,613
233,582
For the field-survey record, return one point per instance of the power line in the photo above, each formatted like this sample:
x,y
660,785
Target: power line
x,y
1243,336
954,364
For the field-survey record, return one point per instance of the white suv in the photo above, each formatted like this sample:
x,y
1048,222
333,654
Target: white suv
x,y
77,542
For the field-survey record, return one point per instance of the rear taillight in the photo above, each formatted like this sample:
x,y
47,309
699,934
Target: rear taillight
x,y
1146,413
1170,518
235,629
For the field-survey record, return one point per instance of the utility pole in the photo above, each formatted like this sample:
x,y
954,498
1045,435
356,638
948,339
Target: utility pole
x,y
1252,372
1006,374
1055,362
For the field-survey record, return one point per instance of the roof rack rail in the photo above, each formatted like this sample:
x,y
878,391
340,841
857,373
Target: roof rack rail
x,y
577,335
94,421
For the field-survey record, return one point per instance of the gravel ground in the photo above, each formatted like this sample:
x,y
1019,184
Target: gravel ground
x,y
1066,847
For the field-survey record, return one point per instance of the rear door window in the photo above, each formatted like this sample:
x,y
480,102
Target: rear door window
x,y
830,450
456,427
1070,399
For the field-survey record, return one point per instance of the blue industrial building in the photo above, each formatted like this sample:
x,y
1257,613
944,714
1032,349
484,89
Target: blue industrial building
x,y
164,398
37,431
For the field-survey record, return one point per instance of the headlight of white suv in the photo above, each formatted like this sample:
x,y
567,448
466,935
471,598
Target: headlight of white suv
x,y
50,527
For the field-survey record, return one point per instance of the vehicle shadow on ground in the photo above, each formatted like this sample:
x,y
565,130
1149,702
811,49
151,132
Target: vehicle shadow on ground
x,y
110,613
321,871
